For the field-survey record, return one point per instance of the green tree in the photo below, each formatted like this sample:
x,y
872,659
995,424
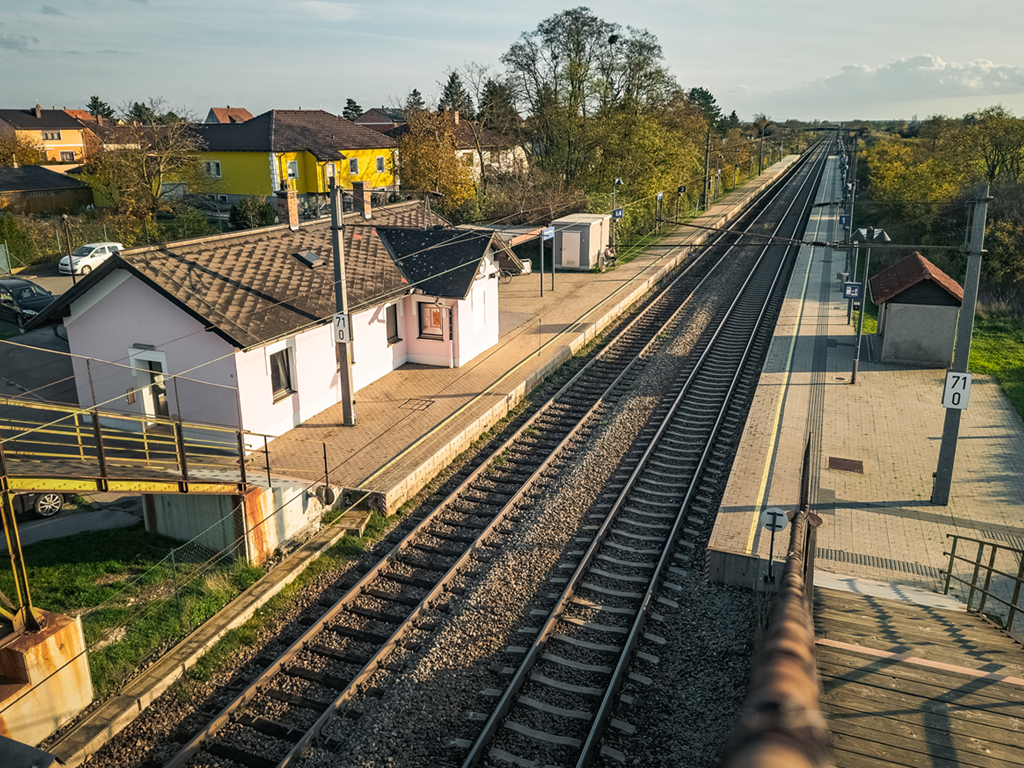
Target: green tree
x,y
99,108
22,150
140,114
414,101
252,211
455,98
706,102
427,160
145,169
498,108
352,110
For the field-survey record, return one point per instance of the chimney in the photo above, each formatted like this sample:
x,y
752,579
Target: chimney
x,y
99,119
39,111
288,206
361,199
456,118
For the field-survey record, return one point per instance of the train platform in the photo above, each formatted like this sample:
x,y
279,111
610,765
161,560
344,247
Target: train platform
x,y
414,421
874,447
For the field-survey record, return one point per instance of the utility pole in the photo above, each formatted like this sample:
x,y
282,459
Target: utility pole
x,y
348,403
707,171
962,350
67,237
760,153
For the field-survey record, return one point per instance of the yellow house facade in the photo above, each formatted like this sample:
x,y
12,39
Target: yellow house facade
x,y
60,135
305,148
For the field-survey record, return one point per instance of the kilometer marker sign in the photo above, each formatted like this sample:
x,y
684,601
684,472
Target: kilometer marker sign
x,y
957,391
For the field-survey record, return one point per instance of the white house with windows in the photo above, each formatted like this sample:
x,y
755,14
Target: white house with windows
x,y
235,330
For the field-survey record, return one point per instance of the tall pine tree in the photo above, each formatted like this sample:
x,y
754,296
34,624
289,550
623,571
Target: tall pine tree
x,y
352,110
99,108
455,98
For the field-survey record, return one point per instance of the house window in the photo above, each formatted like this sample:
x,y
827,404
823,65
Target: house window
x,y
380,164
293,169
353,166
281,375
392,313
67,157
51,135
431,322
212,168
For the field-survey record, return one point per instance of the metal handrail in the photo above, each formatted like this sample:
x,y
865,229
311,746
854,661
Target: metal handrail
x,y
990,570
781,725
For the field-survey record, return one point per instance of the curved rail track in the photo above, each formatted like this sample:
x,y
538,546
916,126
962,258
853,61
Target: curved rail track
x,y
560,698
323,671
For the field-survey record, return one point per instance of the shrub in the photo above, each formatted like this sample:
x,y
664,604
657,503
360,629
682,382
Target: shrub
x,y
251,212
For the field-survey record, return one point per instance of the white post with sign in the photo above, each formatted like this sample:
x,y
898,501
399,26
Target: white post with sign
x,y
957,391
341,328
774,520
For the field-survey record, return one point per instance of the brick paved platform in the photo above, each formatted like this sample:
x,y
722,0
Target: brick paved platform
x,y
416,420
878,525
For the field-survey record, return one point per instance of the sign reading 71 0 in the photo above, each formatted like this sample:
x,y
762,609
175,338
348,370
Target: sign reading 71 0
x,y
957,391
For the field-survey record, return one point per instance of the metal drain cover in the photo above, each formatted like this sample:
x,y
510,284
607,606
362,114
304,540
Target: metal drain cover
x,y
846,465
416,405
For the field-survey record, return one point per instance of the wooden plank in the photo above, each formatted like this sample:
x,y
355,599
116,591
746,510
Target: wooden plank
x,y
855,665
938,688
923,633
893,755
847,601
844,759
881,700
977,633
869,711
1008,663
925,741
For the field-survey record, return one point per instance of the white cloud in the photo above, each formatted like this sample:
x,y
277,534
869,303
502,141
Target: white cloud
x,y
49,10
920,83
329,11
15,42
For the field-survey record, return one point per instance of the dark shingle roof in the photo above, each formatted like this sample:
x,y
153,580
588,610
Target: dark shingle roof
x,y
34,178
324,135
907,273
251,289
49,118
377,113
443,262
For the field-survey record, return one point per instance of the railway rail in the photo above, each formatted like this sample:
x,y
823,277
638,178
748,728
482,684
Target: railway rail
x,y
561,696
306,687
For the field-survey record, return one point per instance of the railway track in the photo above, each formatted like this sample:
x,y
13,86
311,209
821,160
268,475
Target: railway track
x,y
323,671
561,694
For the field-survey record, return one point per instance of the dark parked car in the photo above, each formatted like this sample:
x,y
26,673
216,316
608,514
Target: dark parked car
x,y
45,504
21,300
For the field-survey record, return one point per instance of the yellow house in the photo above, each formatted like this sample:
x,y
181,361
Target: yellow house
x,y
58,133
305,147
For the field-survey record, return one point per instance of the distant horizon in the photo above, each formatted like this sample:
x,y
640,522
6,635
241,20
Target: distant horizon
x,y
791,60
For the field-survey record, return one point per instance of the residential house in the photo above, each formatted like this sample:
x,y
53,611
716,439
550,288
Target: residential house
x,y
236,329
228,114
60,135
304,147
480,148
381,119
34,189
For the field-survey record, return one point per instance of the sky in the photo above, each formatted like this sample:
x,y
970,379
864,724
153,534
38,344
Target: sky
x,y
873,60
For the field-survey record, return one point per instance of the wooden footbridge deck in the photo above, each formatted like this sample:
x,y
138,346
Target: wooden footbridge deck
x,y
910,685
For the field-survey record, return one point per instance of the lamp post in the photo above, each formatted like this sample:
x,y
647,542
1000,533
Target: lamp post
x,y
866,235
718,174
615,184
680,191
67,238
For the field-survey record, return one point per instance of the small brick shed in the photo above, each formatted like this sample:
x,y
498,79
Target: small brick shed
x,y
918,308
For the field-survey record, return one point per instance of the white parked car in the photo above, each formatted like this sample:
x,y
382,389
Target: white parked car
x,y
87,257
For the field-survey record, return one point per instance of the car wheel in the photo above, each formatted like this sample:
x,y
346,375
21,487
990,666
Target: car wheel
x,y
86,269
48,504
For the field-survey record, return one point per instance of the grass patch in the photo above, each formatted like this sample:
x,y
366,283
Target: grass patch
x,y
131,598
997,349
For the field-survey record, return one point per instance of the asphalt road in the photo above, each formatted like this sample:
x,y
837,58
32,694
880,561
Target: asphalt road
x,y
36,364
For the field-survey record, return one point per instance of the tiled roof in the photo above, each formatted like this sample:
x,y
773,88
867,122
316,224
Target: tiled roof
x,y
907,273
49,118
376,114
324,135
230,114
81,115
33,178
442,262
250,288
